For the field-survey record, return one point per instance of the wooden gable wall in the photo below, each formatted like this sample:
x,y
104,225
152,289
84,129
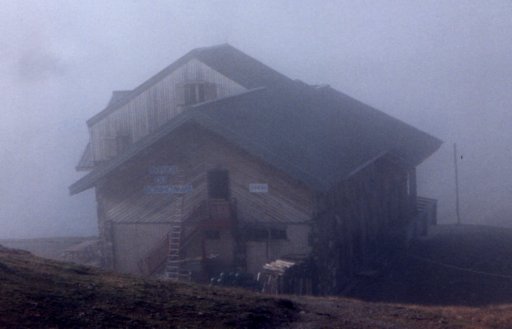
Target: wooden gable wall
x,y
152,108
195,151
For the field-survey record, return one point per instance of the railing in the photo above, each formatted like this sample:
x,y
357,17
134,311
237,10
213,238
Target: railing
x,y
429,207
209,214
213,214
199,214
221,214
155,258
426,216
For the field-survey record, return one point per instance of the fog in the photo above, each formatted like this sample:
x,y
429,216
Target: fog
x,y
442,66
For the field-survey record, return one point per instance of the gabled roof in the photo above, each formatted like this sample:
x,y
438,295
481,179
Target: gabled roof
x,y
117,96
317,136
225,59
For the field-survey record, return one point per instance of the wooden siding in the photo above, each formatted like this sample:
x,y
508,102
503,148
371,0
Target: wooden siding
x,y
132,241
286,201
261,252
125,197
355,222
195,151
152,108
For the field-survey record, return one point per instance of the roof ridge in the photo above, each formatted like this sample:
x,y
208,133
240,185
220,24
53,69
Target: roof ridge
x,y
220,45
194,53
142,87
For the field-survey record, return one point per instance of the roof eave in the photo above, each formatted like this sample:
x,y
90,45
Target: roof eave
x,y
90,179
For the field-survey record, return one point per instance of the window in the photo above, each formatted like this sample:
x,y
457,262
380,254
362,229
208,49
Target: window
x,y
218,184
113,146
197,92
264,234
256,234
122,143
194,93
212,234
278,234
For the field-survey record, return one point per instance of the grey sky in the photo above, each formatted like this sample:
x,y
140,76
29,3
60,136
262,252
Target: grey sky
x,y
443,66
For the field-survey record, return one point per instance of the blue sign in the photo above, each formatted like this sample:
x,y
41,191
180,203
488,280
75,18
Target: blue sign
x,y
162,170
168,189
160,180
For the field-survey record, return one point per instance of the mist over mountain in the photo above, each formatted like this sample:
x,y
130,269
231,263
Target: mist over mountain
x,y
443,67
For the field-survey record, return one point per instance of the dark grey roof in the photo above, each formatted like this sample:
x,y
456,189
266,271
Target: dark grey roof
x,y
105,168
225,59
86,163
317,136
118,96
240,67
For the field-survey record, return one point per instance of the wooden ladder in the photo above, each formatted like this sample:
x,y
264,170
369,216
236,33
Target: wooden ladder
x,y
173,267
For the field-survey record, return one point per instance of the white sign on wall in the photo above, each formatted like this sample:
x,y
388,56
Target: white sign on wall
x,y
258,188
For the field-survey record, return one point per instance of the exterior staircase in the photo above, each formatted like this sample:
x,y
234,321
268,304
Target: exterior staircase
x,y
167,258
426,216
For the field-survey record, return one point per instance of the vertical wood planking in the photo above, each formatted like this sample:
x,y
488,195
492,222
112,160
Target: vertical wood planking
x,y
197,151
355,220
153,107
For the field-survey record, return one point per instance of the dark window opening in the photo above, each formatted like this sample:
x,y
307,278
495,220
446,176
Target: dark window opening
x,y
276,234
256,234
201,95
212,234
263,234
198,92
122,143
218,184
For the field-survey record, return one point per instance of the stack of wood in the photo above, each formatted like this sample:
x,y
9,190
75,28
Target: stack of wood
x,y
287,276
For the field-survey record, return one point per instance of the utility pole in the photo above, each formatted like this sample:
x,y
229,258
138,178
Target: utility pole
x,y
455,159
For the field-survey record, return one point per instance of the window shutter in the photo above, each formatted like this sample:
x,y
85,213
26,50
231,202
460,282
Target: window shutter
x,y
122,143
180,94
110,147
211,91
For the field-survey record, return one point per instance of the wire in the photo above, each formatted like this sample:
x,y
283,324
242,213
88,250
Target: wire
x,y
502,276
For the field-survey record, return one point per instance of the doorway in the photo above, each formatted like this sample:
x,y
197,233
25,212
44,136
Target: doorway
x,y
218,184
